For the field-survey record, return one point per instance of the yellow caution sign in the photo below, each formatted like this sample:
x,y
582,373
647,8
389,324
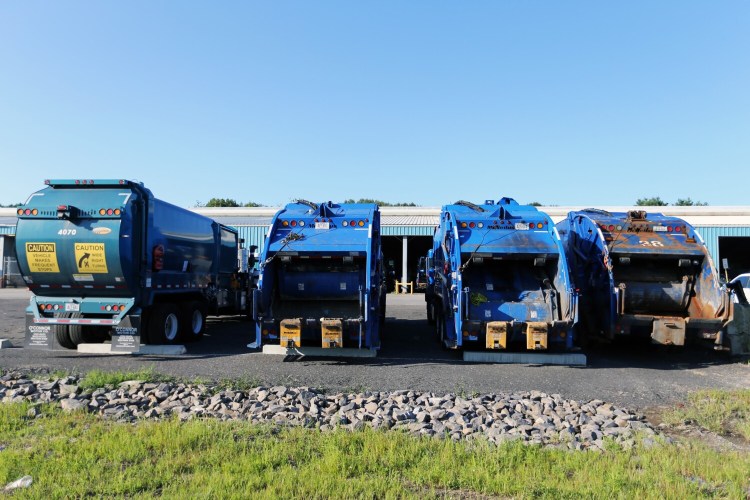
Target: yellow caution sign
x,y
90,258
42,257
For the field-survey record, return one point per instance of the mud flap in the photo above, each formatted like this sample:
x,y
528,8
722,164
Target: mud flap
x,y
39,336
668,331
291,332
738,330
496,336
332,333
126,337
536,336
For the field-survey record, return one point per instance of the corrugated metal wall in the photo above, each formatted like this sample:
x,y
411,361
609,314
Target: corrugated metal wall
x,y
407,230
253,235
711,234
256,235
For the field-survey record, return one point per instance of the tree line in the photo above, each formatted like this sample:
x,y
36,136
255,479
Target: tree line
x,y
230,202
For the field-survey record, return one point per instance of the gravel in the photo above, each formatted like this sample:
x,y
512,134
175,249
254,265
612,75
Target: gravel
x,y
531,417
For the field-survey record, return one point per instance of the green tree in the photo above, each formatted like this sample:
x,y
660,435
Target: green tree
x,y
687,202
222,202
535,204
656,201
12,205
227,202
380,202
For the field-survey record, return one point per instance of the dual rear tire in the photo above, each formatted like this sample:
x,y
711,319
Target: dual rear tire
x,y
167,323
71,336
170,324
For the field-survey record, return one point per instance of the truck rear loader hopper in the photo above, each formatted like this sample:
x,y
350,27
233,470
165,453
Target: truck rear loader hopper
x,y
498,280
321,286
644,274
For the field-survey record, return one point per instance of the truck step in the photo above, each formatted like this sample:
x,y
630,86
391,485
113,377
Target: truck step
x,y
526,358
345,352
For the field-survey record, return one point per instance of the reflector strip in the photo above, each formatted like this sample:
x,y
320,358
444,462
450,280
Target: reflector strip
x,y
77,321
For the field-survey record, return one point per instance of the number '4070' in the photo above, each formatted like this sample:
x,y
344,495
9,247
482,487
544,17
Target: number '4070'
x,y
67,232
651,243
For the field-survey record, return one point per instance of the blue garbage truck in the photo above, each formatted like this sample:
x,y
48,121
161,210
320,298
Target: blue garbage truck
x,y
499,279
321,279
105,259
645,275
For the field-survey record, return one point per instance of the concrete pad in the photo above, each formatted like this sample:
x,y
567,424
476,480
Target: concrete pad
x,y
526,358
97,349
345,352
158,350
163,350
5,344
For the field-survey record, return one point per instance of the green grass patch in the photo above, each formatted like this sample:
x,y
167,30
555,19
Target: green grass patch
x,y
99,378
720,411
78,454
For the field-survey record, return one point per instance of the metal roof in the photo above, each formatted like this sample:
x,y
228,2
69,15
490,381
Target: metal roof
x,y
724,216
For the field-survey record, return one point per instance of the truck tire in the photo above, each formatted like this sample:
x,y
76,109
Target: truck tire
x,y
76,332
164,324
85,334
440,329
62,333
430,313
193,320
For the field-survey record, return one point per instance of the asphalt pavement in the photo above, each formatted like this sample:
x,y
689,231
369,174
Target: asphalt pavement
x,y
634,375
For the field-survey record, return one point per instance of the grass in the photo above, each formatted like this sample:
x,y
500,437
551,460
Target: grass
x,y
723,412
99,378
78,454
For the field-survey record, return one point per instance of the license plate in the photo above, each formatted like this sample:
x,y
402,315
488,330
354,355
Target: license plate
x,y
660,229
520,226
322,225
72,307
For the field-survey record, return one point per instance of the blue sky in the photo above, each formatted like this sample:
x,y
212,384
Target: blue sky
x,y
565,103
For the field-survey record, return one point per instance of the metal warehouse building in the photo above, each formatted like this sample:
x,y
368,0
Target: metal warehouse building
x,y
407,233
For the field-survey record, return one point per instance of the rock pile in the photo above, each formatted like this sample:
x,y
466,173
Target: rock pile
x,y
532,417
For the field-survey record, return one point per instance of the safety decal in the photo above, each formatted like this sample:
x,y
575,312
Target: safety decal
x,y
90,258
42,257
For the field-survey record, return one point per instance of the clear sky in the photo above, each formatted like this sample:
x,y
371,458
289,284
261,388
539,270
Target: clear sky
x,y
564,103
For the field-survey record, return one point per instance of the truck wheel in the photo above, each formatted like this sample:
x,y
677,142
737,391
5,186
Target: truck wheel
x,y
430,313
440,328
62,333
80,334
164,324
193,318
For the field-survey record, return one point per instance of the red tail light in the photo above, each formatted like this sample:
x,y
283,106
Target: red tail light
x,y
158,258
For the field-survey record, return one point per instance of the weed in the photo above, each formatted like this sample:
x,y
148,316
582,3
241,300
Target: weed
x,y
99,378
77,455
719,411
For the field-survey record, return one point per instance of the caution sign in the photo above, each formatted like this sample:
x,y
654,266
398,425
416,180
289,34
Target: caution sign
x,y
42,257
90,258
